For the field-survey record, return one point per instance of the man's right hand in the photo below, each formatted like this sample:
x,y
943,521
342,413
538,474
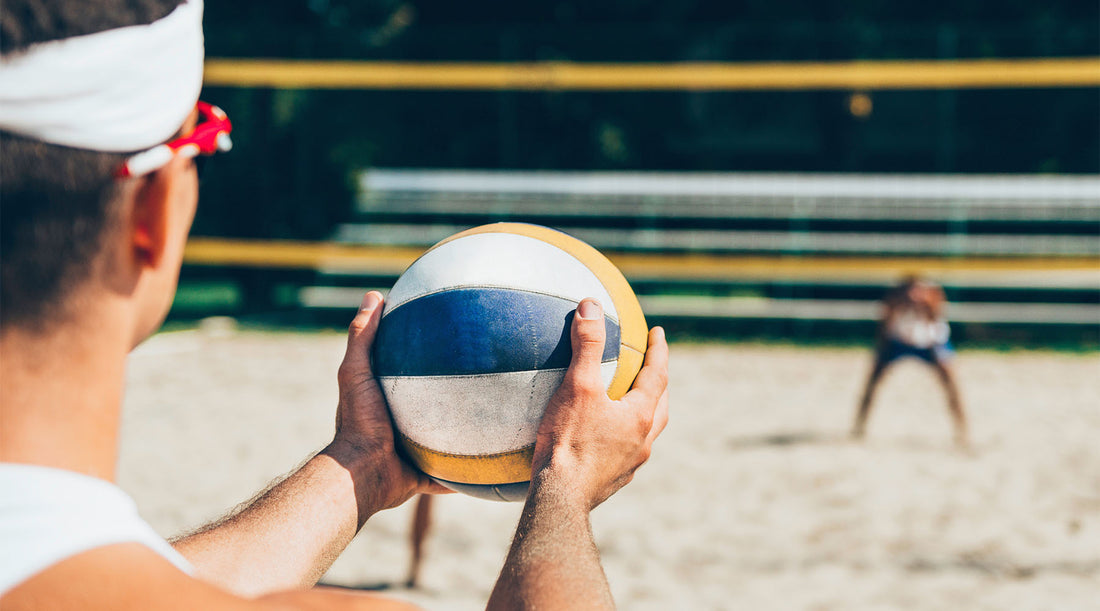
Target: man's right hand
x,y
588,447
596,443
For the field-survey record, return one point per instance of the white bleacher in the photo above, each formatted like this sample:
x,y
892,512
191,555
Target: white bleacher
x,y
745,195
675,219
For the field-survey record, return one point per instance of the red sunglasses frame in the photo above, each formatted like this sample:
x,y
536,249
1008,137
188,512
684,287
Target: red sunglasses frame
x,y
211,135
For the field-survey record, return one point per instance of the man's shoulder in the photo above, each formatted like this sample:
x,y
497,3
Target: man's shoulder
x,y
48,515
118,576
131,576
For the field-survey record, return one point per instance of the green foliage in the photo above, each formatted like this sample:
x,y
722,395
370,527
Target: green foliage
x,y
292,174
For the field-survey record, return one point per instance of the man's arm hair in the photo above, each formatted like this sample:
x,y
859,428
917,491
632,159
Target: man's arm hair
x,y
291,534
286,537
587,448
553,562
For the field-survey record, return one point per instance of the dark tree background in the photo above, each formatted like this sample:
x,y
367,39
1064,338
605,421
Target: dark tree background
x,y
298,151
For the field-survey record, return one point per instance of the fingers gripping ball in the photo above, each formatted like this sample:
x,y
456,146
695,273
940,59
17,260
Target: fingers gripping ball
x,y
475,338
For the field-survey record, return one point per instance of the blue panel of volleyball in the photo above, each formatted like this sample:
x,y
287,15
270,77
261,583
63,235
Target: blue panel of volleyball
x,y
462,331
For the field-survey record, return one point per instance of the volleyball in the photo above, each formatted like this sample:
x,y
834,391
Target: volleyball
x,y
475,338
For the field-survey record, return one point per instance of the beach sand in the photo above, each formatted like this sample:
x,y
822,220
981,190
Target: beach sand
x,y
753,498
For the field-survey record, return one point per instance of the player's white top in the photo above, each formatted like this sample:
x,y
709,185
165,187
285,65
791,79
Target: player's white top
x,y
914,328
47,515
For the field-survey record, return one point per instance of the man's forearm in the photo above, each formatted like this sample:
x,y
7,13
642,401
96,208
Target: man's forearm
x,y
290,535
553,562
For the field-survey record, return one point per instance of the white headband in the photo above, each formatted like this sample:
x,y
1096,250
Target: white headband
x,y
120,90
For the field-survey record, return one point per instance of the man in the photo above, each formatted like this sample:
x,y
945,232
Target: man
x,y
100,138
914,324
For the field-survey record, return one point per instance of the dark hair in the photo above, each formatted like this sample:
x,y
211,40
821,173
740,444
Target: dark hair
x,y
57,203
27,22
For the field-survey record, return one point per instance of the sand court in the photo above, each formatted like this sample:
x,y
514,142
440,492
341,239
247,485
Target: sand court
x,y
754,498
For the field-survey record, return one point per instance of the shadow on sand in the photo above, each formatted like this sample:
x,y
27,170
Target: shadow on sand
x,y
787,439
380,586
819,438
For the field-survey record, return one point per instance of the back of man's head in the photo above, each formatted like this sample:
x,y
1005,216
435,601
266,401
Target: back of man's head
x,y
57,203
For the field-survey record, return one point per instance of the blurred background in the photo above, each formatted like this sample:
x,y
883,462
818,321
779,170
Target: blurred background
x,y
759,170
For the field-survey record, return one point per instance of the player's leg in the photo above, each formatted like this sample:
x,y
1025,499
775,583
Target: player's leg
x,y
422,520
860,425
946,373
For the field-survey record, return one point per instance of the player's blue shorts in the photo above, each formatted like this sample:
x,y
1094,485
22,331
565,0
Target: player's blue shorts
x,y
895,349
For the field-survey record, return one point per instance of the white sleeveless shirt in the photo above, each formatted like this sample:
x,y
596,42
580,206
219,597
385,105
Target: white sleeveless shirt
x,y
913,328
47,515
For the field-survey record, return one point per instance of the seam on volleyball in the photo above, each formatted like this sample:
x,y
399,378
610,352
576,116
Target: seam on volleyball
x,y
459,376
632,349
574,249
505,227
613,319
522,450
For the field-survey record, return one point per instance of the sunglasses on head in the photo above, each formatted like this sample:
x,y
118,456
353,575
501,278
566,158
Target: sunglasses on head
x,y
211,135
